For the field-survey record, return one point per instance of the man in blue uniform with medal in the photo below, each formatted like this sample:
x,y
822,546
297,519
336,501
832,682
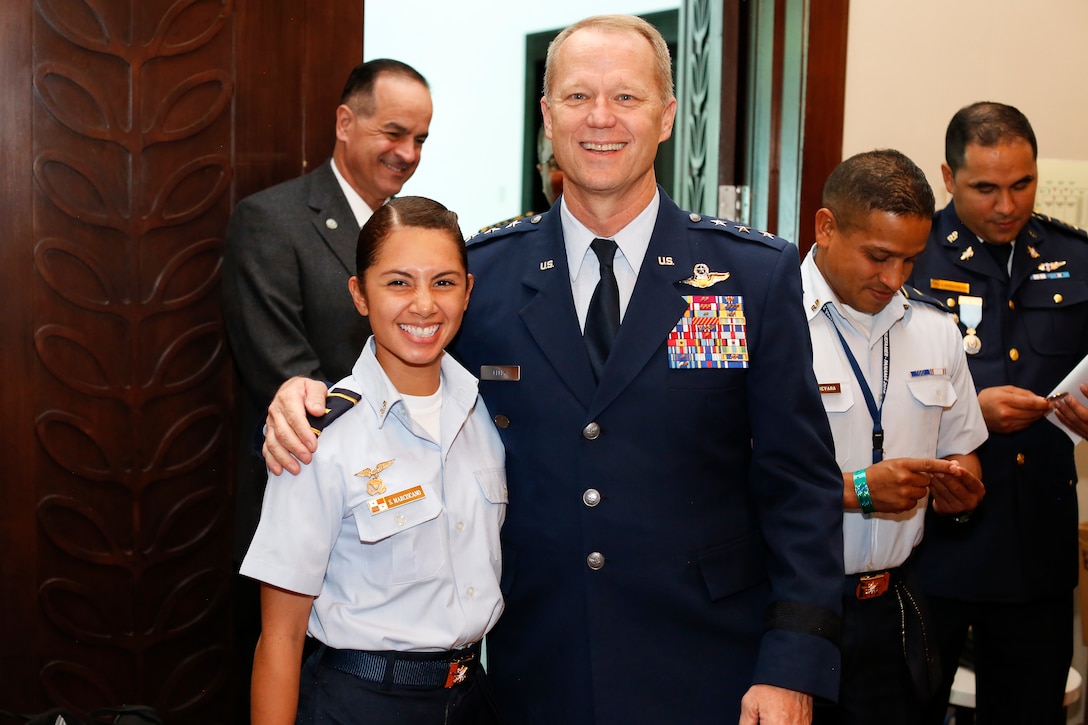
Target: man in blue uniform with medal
x,y
1019,284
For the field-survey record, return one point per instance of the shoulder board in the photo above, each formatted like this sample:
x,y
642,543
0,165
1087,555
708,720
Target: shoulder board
x,y
916,295
743,231
502,229
504,222
1059,224
337,402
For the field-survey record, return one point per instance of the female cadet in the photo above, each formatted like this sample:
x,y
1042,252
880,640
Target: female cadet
x,y
386,548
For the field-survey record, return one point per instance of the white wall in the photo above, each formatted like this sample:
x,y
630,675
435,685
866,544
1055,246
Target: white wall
x,y
911,66
473,56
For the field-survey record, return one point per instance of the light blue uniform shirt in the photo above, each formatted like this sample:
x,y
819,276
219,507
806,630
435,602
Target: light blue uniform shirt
x,y
931,410
415,568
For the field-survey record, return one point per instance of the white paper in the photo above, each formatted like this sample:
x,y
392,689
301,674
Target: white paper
x,y
1071,386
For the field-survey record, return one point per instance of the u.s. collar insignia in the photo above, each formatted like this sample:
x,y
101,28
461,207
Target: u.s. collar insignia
x,y
375,485
1032,253
953,236
702,277
967,253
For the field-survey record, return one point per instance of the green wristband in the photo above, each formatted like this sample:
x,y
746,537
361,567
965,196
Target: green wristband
x,y
861,488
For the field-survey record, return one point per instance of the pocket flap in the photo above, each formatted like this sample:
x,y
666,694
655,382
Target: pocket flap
x,y
932,390
382,516
493,483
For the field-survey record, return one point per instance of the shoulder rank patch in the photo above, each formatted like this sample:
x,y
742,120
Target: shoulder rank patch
x,y
337,402
1058,223
699,221
499,225
504,228
916,295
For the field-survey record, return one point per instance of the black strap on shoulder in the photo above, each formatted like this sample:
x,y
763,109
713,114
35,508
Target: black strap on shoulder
x,y
916,295
337,402
806,619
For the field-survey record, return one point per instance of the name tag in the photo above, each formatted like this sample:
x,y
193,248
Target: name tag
x,y
391,501
949,286
830,388
503,373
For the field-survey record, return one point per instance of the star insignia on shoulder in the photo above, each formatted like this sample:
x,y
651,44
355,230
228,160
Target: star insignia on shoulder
x,y
719,222
768,235
743,229
513,224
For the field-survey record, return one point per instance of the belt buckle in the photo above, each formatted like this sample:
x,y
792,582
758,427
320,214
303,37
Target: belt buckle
x,y
458,670
871,586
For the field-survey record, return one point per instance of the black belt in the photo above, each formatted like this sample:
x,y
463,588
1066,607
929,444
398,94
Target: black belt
x,y
413,669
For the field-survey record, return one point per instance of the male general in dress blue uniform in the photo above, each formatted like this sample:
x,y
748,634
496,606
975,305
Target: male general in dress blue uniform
x,y
673,546
1019,283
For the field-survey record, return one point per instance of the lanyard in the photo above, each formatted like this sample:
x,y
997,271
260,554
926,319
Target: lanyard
x,y
874,409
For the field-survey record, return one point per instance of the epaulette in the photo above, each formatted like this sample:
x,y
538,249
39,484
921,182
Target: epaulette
x,y
337,402
504,222
916,295
700,221
1065,226
502,229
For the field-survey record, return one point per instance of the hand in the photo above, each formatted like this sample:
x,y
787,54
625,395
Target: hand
x,y
960,490
772,705
1072,412
287,435
898,484
1008,409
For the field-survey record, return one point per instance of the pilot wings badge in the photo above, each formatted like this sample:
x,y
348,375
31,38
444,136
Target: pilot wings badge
x,y
375,485
702,277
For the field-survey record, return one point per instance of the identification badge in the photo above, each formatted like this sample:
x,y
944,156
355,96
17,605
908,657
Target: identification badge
x,y
503,373
830,388
948,285
711,334
385,503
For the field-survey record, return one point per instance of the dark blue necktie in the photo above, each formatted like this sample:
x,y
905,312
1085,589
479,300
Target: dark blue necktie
x,y
603,318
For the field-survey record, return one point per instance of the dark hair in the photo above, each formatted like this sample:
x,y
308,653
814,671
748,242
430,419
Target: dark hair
x,y
882,180
399,213
358,92
987,124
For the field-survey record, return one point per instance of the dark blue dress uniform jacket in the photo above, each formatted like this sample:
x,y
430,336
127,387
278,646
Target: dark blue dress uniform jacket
x,y
1021,543
721,504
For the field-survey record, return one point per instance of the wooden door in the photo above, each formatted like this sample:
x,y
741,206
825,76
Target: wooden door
x,y
128,128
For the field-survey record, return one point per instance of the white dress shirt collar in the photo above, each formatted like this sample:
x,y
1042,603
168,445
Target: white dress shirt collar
x,y
359,208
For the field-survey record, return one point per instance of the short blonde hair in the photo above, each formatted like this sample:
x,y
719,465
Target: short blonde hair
x,y
618,24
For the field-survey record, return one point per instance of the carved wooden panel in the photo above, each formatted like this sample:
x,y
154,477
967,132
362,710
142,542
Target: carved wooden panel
x,y
131,169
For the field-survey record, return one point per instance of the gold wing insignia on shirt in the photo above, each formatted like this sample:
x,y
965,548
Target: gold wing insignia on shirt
x,y
375,485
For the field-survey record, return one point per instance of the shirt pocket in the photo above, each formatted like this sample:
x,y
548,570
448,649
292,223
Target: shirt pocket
x,y
837,397
404,543
932,391
1053,327
492,482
